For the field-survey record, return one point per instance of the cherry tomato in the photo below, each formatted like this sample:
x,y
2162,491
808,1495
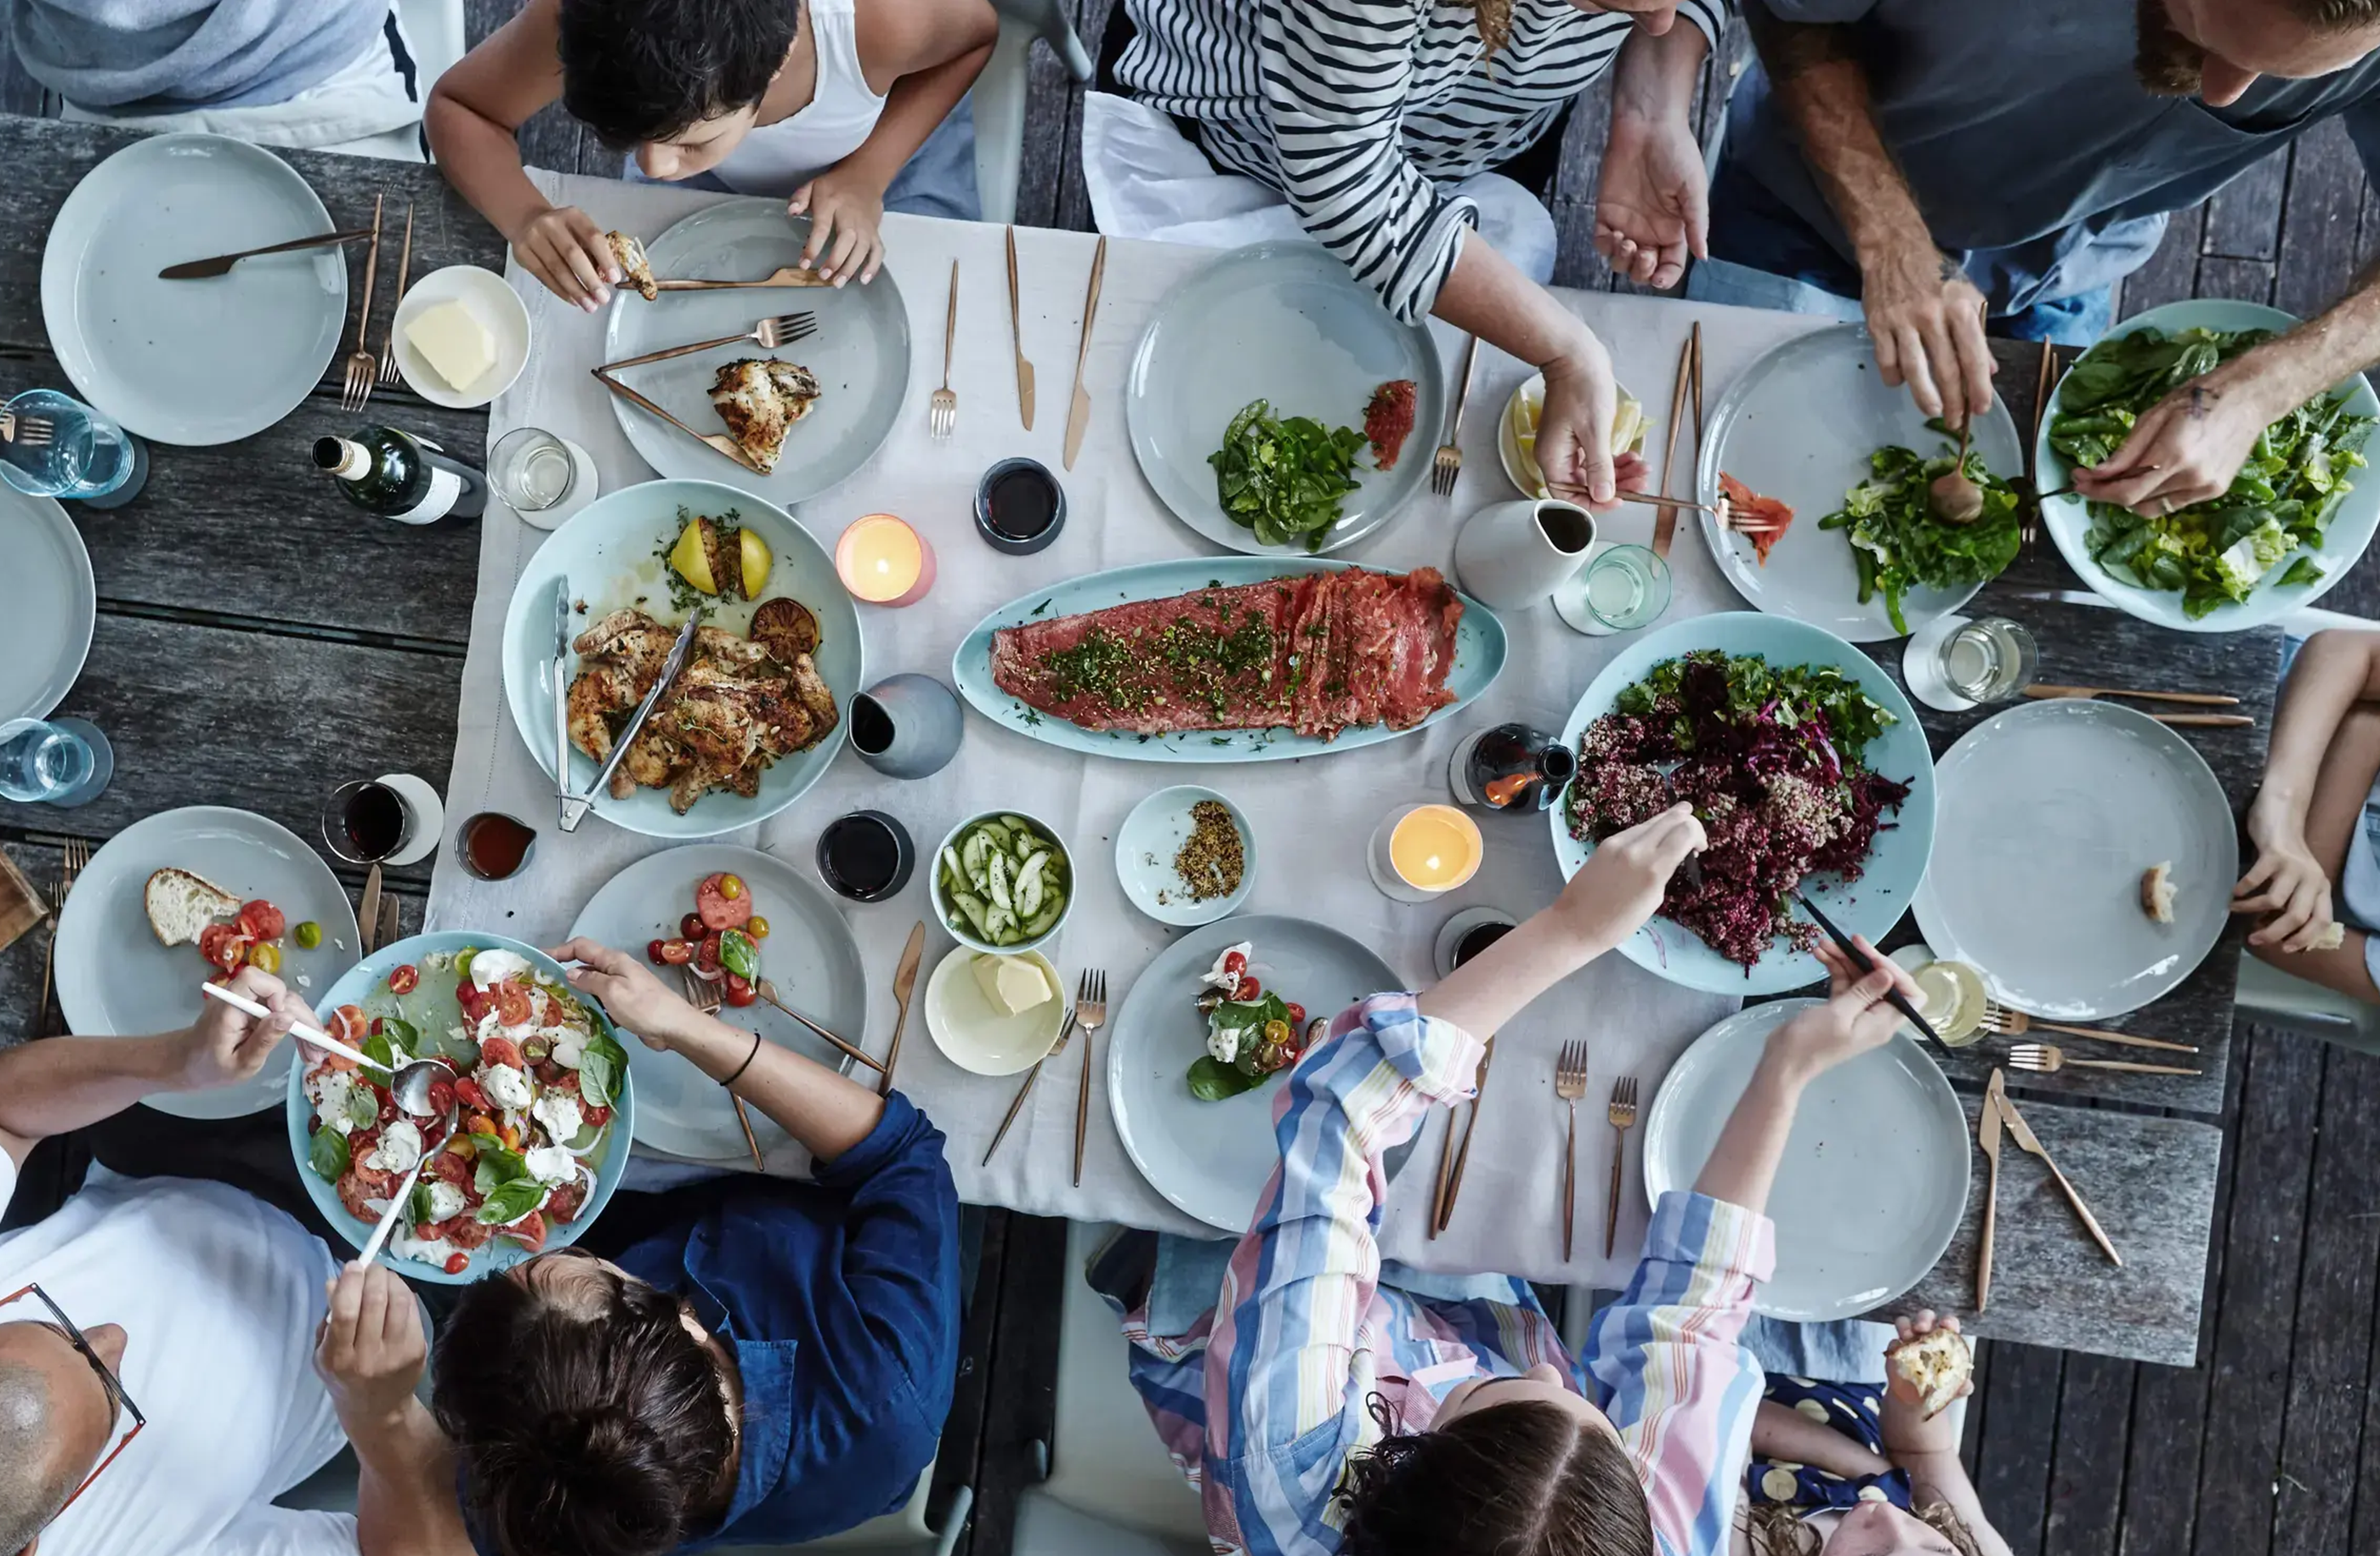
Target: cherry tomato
x,y
388,1113
721,908
260,920
211,939
467,1231
457,1262
1296,1015
739,993
653,952
468,1093
483,1119
596,1118
349,1024
756,927
691,927
513,1007
404,980
548,1073
474,1003
529,1232
705,959
453,1168
677,953
442,1096
500,1051
509,1133
564,1204
1249,989
1236,964
264,958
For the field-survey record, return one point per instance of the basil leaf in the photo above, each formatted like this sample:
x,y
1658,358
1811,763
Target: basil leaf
x,y
327,1153
418,1213
376,1048
402,1033
504,1162
484,1179
363,1108
738,955
595,1076
1211,1081
511,1201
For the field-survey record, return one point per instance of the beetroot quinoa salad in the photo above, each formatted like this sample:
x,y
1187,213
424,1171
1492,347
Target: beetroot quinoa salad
x,y
1771,759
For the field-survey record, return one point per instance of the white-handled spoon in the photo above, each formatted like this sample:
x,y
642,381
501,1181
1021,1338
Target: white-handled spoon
x,y
298,1029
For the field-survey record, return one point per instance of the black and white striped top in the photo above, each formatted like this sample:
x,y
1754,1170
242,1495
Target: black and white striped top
x,y
1358,110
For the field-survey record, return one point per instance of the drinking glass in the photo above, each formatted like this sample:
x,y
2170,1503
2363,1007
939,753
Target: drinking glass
x,y
866,856
63,762
1955,663
63,448
535,471
1621,587
366,821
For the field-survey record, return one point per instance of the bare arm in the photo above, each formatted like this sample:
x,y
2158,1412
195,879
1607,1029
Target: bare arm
x,y
1778,1433
370,1353
1652,204
2333,674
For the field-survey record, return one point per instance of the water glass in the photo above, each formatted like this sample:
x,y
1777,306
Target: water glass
x,y
536,472
63,762
1621,587
1955,663
63,448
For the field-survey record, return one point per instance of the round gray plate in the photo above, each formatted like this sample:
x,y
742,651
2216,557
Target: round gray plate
x,y
809,955
2046,816
1211,1159
1798,426
115,981
48,605
1873,1180
192,362
860,353
1282,322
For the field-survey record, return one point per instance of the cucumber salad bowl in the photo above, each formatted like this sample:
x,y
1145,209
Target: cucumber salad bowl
x,y
1003,883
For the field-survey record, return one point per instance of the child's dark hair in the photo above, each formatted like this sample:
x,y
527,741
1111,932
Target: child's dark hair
x,y
587,1426
1526,1478
640,70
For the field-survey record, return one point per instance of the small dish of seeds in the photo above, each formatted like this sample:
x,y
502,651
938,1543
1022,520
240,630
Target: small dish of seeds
x,y
1185,856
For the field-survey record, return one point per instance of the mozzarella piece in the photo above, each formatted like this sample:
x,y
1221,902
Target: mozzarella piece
x,y
569,1045
1223,1042
1216,978
332,1092
506,1087
490,968
552,1164
558,1111
446,1201
399,1148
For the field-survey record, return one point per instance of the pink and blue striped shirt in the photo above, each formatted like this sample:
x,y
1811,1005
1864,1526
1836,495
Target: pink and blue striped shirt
x,y
1262,1402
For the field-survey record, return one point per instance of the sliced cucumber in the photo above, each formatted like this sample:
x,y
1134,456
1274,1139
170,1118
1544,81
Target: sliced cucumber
x,y
1054,906
999,870
1017,823
978,913
1027,890
973,849
953,876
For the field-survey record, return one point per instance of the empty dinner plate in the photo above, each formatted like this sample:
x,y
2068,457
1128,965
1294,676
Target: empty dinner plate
x,y
48,605
1873,1182
1285,323
1798,426
115,980
192,362
859,353
2046,816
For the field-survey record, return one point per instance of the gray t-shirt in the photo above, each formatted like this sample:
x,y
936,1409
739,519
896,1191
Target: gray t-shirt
x,y
2026,138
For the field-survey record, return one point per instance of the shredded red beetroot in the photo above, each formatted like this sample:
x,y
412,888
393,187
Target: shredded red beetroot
x,y
1388,420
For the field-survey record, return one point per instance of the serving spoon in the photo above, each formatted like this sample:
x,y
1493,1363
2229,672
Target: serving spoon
x,y
1954,499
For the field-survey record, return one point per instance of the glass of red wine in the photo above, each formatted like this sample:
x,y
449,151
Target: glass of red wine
x,y
366,821
866,856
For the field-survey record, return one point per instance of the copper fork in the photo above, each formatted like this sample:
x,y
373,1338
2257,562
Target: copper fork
x,y
2049,1059
404,269
942,409
1065,1031
26,431
771,334
705,997
2006,1022
362,366
1448,461
1090,1014
1570,1084
1623,1115
72,859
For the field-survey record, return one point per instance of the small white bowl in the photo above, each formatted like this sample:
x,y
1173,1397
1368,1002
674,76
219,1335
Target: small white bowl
x,y
952,919
1149,839
1520,468
493,303
978,1038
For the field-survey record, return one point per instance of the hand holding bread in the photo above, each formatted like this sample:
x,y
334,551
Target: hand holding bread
x,y
1928,1368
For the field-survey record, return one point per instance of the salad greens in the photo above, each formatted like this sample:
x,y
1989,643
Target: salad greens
x,y
1255,1053
1787,697
1898,543
2213,552
1283,477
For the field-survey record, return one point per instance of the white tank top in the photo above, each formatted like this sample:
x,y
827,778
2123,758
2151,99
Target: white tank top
x,y
780,158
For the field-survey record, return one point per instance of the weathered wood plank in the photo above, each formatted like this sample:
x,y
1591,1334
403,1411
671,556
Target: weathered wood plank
x,y
1580,171
2319,229
2172,272
2243,217
2248,281
20,963
2086,1480
268,723
2012,1475
1022,1410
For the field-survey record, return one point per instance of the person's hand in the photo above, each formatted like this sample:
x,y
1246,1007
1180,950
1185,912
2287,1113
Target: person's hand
x,y
2286,881
1904,1423
628,990
847,212
562,248
1621,883
2187,446
225,1047
1855,1017
1652,206
370,1350
1927,320
1574,429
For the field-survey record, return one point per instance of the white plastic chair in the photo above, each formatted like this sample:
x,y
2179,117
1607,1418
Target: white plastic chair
x,y
2271,997
999,94
434,35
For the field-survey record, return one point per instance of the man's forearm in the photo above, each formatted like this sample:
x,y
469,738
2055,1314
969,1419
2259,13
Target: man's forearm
x,y
404,1489
2342,340
826,1112
63,1083
1821,86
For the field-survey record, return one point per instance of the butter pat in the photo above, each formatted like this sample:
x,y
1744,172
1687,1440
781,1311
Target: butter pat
x,y
456,345
1011,983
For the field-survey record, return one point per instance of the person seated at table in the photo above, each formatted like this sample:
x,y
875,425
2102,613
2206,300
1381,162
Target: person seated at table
x,y
154,1389
1319,1408
757,1360
1860,1469
1943,169
2315,821
819,103
1384,130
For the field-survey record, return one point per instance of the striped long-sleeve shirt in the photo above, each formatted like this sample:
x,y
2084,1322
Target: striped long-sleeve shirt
x,y
1358,110
1262,1401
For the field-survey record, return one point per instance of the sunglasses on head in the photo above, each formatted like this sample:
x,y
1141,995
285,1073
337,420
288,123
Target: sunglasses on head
x,y
115,1384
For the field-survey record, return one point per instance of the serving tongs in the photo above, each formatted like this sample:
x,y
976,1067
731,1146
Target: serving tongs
x,y
576,806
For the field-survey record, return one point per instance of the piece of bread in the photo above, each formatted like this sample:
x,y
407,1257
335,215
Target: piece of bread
x,y
631,255
2157,891
2333,935
180,905
1938,1365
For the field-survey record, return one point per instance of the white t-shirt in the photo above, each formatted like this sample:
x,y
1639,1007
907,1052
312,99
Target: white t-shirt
x,y
219,1296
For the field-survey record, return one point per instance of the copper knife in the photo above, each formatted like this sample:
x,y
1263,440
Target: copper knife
x,y
1079,415
2207,699
1016,332
904,979
1988,1136
201,269
368,920
2024,1138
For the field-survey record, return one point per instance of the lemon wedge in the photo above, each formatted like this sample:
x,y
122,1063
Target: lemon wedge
x,y
755,561
691,557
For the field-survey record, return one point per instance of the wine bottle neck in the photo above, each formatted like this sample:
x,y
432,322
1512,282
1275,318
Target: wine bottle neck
x,y
343,457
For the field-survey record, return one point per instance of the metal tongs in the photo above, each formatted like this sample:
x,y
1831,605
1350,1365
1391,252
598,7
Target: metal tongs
x,y
576,806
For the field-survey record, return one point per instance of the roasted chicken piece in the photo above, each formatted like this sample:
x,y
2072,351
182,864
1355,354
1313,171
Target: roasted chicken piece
x,y
640,269
759,399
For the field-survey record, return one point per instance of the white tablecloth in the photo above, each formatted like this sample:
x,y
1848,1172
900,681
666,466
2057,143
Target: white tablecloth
x,y
1311,818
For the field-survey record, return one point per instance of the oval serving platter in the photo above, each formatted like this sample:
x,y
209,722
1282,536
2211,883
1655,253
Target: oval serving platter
x,y
1479,651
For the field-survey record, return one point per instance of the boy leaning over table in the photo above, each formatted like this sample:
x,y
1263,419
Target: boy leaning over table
x,y
1319,1411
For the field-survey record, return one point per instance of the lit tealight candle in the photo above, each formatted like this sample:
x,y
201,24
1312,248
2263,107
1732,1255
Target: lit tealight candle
x,y
1422,851
883,561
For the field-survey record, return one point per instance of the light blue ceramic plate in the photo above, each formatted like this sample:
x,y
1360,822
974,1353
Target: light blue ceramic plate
x,y
1146,843
2349,531
365,984
606,550
1480,648
192,362
1282,322
1871,905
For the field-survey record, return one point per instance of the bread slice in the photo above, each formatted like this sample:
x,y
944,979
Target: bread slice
x,y
631,255
180,905
1938,1365
2157,891
2333,935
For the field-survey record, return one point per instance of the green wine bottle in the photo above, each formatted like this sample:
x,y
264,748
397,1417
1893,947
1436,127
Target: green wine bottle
x,y
400,476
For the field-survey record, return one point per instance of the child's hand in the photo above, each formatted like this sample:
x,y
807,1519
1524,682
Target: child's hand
x,y
1622,881
563,246
1906,1429
846,214
1855,1017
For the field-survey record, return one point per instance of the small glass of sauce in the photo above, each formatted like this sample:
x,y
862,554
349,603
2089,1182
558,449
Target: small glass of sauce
x,y
1951,998
1019,507
493,846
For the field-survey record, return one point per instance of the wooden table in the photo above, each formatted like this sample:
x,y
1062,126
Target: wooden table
x,y
260,641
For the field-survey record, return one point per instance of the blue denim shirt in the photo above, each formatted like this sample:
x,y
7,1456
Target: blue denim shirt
x,y
842,1301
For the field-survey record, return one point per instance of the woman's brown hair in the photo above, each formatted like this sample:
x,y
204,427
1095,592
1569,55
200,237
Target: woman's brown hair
x,y
1776,1529
1526,1478
590,1424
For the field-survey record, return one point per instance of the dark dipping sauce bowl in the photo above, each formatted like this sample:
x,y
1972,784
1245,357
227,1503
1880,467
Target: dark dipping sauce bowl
x,y
1019,507
493,846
